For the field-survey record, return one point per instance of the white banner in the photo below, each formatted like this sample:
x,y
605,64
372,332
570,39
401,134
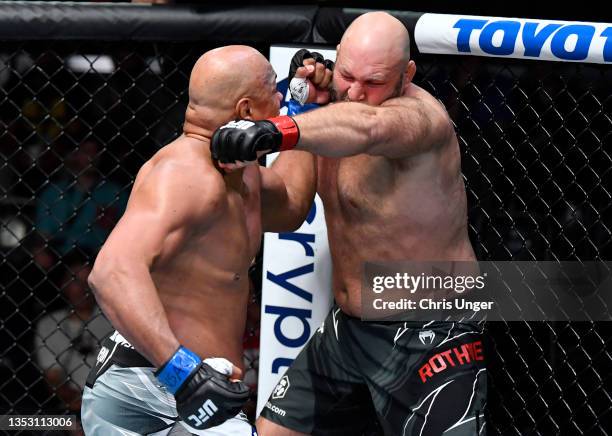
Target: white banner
x,y
549,40
296,282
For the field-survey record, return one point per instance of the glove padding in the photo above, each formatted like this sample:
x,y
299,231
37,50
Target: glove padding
x,y
208,398
241,140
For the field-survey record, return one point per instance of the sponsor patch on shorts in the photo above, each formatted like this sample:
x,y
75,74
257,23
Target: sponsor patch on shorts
x,y
281,388
102,355
275,409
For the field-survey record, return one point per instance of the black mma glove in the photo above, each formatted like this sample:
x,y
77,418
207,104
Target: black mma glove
x,y
205,397
241,140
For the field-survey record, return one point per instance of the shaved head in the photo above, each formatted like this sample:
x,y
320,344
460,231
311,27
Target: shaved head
x,y
379,37
223,76
373,62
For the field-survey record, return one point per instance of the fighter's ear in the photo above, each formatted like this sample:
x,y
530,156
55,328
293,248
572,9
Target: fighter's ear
x,y
243,109
410,71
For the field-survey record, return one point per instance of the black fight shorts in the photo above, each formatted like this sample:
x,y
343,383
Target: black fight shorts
x,y
393,378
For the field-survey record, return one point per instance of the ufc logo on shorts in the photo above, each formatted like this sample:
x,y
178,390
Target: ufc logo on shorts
x,y
207,410
240,125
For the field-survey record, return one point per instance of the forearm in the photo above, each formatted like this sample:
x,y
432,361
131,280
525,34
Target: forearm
x,y
338,130
127,295
288,186
400,127
297,170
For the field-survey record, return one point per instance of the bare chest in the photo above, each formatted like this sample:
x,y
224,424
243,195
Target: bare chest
x,y
227,244
242,221
358,185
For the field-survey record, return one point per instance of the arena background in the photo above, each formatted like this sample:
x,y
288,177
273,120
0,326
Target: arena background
x,y
89,91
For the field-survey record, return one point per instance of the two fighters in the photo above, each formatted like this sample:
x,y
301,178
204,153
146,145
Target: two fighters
x,y
389,175
173,275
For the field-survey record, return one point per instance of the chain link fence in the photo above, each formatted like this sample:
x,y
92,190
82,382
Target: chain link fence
x,y
535,140
79,119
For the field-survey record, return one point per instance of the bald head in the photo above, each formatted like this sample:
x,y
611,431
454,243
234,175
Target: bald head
x,y
222,76
223,79
378,37
373,62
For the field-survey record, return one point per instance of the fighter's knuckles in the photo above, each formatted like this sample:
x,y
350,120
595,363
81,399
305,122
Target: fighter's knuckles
x,y
327,78
319,74
304,72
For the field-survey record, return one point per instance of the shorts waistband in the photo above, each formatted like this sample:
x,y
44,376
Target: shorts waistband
x,y
409,324
122,353
115,350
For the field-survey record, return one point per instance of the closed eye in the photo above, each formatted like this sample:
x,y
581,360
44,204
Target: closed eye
x,y
347,77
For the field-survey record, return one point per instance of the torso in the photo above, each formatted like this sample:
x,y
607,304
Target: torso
x,y
381,209
203,284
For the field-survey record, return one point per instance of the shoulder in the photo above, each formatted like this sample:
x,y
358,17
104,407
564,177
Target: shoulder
x,y
187,186
415,95
435,113
183,164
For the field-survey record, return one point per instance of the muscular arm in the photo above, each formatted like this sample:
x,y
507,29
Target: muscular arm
x,y
400,127
288,187
169,200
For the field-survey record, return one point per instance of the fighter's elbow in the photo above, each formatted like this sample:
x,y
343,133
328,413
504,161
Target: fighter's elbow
x,y
288,222
103,274
98,279
296,219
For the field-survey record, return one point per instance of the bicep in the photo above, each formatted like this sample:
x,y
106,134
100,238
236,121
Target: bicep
x,y
139,235
410,126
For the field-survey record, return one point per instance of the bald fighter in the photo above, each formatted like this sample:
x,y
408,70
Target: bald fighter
x,y
173,275
389,175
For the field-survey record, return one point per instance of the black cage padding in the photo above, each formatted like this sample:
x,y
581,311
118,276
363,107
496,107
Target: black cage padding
x,y
137,22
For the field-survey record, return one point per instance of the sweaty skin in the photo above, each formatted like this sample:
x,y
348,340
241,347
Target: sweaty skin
x,y
409,207
174,270
389,170
388,164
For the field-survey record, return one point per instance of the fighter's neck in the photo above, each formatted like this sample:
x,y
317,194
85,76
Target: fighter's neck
x,y
199,132
233,178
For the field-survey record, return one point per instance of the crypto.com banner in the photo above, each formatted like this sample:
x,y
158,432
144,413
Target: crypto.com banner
x,y
296,284
492,291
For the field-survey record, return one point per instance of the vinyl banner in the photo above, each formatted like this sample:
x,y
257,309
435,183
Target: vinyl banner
x,y
547,40
296,283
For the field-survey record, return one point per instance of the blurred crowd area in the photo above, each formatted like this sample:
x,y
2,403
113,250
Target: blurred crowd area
x,y
77,120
